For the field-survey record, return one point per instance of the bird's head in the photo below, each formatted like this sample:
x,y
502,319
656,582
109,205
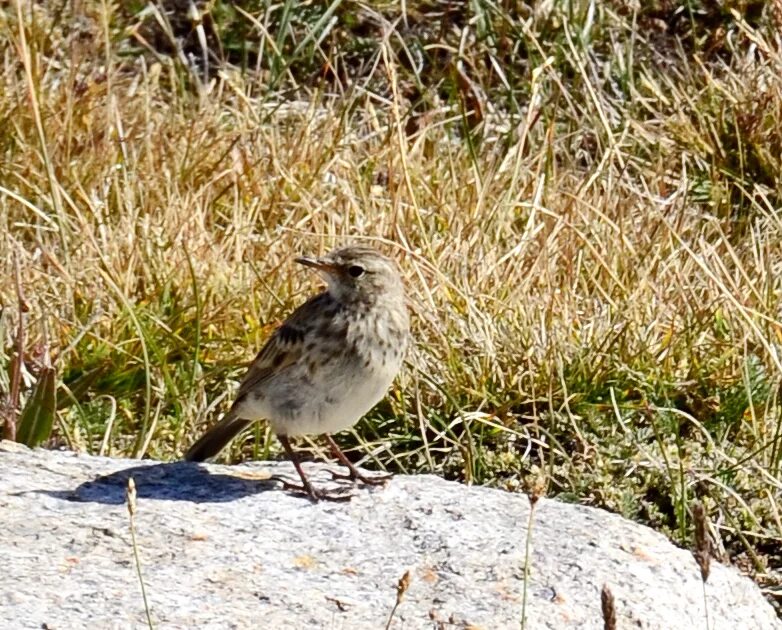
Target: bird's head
x,y
358,274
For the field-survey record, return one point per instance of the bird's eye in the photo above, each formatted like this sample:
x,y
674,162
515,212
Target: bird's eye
x,y
355,271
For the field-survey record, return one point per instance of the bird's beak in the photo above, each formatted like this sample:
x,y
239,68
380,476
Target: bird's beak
x,y
317,263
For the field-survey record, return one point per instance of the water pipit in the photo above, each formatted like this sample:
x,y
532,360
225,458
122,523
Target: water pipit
x,y
328,364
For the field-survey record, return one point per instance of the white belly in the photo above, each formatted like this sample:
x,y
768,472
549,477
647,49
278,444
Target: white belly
x,y
334,413
319,405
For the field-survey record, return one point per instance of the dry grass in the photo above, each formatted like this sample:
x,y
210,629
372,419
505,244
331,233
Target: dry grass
x,y
592,241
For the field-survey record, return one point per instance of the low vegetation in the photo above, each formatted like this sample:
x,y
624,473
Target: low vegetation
x,y
585,199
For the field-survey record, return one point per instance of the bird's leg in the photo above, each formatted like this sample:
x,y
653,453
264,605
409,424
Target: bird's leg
x,y
305,487
353,472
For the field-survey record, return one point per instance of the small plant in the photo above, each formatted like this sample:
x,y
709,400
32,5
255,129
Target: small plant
x,y
702,550
401,589
608,607
131,501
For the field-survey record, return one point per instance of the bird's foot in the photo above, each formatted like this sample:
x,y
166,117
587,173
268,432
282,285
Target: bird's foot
x,y
313,494
354,474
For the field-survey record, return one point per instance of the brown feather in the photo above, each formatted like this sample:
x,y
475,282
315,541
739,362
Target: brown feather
x,y
216,438
283,348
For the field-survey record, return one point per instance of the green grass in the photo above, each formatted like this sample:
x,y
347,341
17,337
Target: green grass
x,y
585,201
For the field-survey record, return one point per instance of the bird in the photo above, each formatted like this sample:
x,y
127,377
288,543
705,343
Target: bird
x,y
328,364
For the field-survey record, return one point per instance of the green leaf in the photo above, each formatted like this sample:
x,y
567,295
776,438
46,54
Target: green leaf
x,y
37,419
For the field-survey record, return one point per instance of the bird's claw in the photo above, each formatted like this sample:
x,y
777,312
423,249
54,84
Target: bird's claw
x,y
379,480
313,494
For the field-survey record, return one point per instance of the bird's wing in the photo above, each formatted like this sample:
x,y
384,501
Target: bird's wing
x,y
285,347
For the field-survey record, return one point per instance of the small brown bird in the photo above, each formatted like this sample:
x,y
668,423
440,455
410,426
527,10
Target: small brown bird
x,y
328,364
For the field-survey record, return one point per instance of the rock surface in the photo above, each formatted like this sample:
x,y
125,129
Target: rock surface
x,y
226,547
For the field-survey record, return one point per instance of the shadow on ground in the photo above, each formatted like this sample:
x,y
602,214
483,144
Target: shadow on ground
x,y
176,481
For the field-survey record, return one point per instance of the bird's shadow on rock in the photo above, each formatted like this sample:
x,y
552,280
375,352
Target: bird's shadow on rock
x,y
176,481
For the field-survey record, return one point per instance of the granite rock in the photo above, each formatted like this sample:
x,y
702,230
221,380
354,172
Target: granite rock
x,y
227,547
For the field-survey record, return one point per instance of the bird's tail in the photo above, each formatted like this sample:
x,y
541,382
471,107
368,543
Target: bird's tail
x,y
216,438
